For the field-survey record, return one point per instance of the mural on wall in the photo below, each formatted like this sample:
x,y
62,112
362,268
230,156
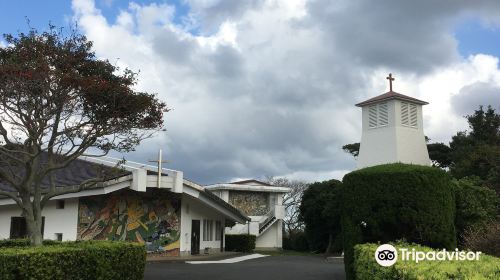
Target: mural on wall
x,y
151,218
251,203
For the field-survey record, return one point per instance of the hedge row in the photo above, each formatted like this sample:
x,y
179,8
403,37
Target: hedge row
x,y
366,268
240,242
23,242
74,261
397,201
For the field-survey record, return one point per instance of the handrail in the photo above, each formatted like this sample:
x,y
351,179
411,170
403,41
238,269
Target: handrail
x,y
269,216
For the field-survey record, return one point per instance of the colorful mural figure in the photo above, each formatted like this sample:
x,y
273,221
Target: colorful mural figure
x,y
151,218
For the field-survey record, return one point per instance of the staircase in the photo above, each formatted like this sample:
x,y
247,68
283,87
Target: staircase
x,y
267,222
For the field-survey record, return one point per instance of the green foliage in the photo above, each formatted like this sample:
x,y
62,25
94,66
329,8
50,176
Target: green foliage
x,y
73,260
352,149
477,152
485,239
440,154
240,242
475,205
296,241
395,201
320,211
23,242
367,268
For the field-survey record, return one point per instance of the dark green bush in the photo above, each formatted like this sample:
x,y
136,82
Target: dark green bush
x,y
240,242
75,261
320,212
475,206
296,241
397,201
23,242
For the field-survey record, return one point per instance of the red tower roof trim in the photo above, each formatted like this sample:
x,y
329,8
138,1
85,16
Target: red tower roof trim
x,y
389,96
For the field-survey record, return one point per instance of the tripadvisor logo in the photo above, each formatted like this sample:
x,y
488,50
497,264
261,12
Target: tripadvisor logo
x,y
387,255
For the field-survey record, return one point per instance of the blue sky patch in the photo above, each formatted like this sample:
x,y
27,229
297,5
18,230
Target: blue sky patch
x,y
474,37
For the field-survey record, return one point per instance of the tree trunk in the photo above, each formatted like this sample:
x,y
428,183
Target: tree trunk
x,y
330,244
34,225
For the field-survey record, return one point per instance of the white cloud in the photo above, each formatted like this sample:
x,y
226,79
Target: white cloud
x,y
269,87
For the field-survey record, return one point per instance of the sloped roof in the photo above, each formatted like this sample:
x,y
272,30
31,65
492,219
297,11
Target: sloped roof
x,y
247,182
389,96
74,174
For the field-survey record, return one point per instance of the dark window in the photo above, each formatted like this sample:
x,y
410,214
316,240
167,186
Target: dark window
x,y
18,227
60,204
59,236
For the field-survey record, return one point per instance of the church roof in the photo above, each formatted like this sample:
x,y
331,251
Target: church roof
x,y
389,96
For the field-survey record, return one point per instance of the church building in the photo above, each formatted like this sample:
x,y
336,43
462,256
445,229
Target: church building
x,y
263,203
154,206
392,130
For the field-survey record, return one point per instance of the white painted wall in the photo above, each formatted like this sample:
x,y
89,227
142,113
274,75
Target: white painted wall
x,y
191,209
272,237
394,142
56,220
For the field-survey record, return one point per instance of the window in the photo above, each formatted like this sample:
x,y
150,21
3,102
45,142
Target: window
x,y
378,115
18,227
218,230
59,236
208,228
409,114
60,204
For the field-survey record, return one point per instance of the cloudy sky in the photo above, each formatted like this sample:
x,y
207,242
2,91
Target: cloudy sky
x,y
267,87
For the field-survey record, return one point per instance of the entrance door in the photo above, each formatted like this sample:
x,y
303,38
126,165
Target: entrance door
x,y
195,237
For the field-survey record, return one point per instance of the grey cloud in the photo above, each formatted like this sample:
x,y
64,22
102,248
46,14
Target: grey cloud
x,y
470,97
283,102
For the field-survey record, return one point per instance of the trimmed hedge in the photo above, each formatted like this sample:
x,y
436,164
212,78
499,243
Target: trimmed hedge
x,y
366,268
74,260
396,201
23,242
240,242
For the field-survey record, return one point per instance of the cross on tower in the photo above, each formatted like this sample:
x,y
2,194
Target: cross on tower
x,y
390,78
159,161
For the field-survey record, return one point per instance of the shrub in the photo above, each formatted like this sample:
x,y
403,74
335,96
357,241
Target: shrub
x,y
320,212
366,268
23,242
240,242
485,239
475,205
74,260
396,201
296,241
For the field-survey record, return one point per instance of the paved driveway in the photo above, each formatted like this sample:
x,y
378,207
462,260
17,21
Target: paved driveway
x,y
272,268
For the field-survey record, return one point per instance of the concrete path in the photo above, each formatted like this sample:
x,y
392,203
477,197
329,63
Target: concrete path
x,y
264,268
231,260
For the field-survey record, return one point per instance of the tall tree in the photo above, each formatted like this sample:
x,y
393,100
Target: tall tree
x,y
58,101
320,211
291,202
477,152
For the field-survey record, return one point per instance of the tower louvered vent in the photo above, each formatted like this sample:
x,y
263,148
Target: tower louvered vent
x,y
378,115
409,114
413,115
404,113
373,116
383,116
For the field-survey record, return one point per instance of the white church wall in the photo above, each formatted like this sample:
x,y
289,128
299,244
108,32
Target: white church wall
x,y
62,221
271,238
411,147
191,209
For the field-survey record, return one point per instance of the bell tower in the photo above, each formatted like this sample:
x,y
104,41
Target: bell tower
x,y
392,130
